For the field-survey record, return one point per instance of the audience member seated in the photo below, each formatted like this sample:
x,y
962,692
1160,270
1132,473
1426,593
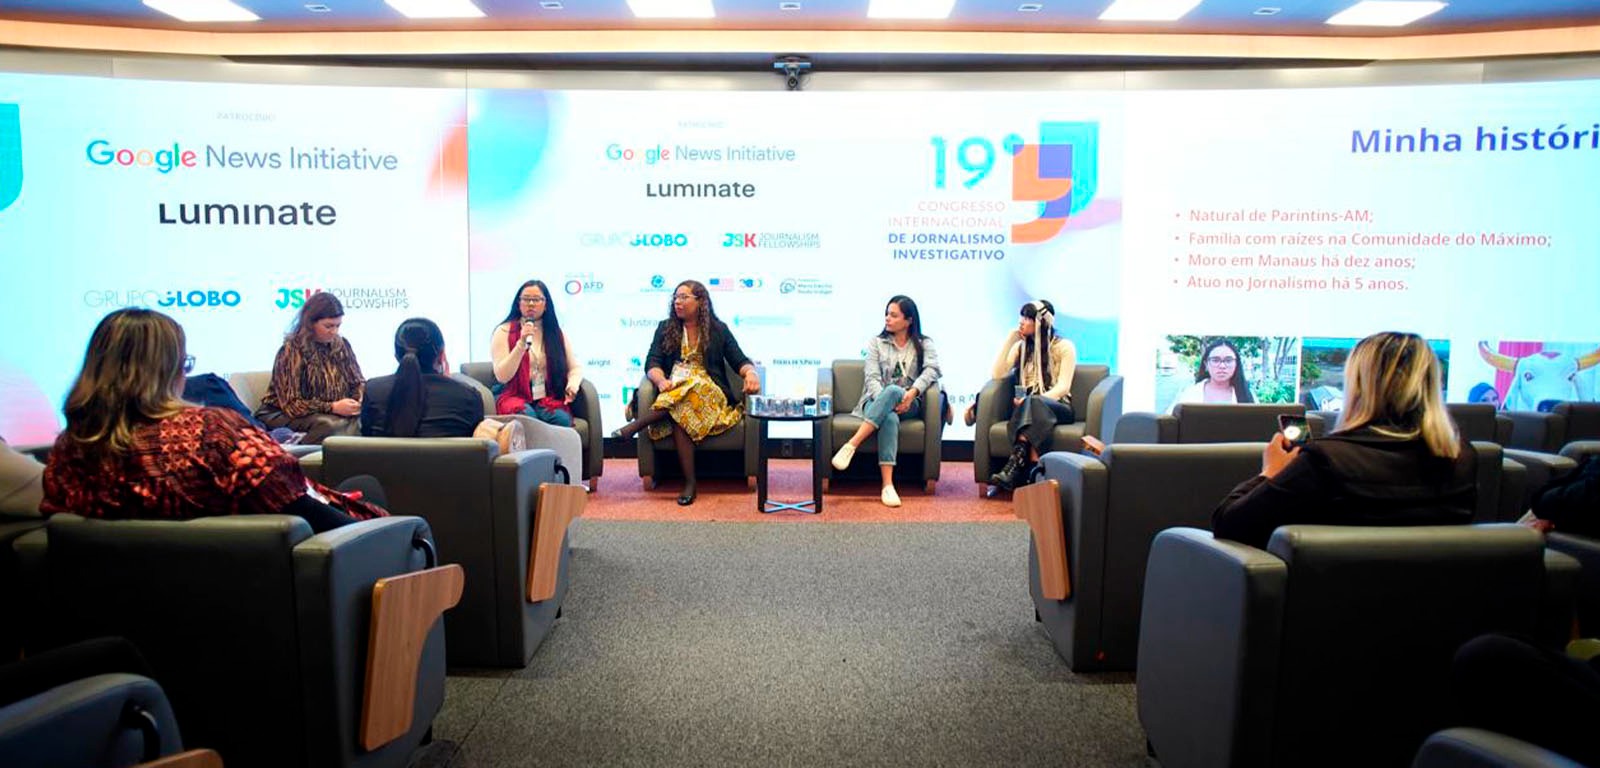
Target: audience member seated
x,y
533,360
1541,696
316,382
902,364
1395,458
1034,358
133,449
412,403
20,482
695,401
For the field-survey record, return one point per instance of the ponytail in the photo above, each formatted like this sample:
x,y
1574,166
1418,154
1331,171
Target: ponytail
x,y
416,340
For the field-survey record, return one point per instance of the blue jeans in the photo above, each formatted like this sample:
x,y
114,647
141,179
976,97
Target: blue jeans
x,y
549,416
880,411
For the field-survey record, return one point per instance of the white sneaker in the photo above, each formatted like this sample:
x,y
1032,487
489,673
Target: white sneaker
x,y
890,498
841,460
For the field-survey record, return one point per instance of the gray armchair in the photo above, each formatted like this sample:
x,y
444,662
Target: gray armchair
x,y
585,419
1549,432
920,436
1474,748
1481,421
483,509
1111,509
257,629
1333,646
1096,402
101,721
1210,423
731,453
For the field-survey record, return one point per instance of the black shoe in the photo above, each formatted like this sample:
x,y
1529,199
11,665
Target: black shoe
x,y
1008,475
687,497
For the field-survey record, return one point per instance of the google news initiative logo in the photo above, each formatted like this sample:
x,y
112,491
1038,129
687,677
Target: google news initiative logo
x,y
10,154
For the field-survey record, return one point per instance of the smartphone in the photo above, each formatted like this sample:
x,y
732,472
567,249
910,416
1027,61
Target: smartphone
x,y
1295,428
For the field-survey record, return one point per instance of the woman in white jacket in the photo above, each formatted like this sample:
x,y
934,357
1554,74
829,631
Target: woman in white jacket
x,y
901,365
1041,363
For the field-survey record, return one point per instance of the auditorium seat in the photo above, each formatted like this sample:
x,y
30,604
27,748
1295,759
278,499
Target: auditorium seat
x,y
258,631
1585,549
251,387
1475,748
1210,423
1096,403
1111,508
585,420
732,453
99,721
1549,432
1333,646
920,436
483,508
1481,422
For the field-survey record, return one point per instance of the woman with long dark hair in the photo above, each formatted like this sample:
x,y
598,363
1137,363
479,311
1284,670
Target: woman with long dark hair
x,y
1034,358
901,364
421,399
134,449
1218,377
687,361
317,384
533,359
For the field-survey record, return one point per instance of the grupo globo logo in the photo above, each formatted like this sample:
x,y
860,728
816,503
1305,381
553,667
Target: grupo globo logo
x,y
10,154
200,298
665,240
162,159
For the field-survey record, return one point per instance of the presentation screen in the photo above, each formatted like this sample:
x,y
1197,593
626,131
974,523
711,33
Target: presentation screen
x,y
1248,237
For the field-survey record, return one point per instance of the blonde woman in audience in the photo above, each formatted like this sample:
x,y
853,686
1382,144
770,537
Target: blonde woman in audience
x,y
134,449
1395,458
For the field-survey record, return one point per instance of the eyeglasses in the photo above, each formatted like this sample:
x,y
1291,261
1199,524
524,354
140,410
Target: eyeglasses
x,y
532,300
1222,360
188,364
683,297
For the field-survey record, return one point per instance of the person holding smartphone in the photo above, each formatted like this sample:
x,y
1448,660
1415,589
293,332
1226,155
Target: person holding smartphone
x,y
1040,365
1394,459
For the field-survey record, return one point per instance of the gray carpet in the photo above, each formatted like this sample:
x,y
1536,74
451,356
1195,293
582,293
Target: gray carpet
x,y
737,644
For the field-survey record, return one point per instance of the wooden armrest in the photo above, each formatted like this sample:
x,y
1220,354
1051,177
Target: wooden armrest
x,y
1040,505
194,758
404,608
558,506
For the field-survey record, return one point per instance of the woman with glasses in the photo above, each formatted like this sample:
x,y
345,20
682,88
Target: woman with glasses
x,y
1219,378
134,449
316,383
1040,364
1395,458
687,363
533,360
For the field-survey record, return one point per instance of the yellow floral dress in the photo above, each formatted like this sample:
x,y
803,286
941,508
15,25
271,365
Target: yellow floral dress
x,y
697,404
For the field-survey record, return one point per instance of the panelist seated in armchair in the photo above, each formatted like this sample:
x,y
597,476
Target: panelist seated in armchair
x,y
538,373
1042,364
901,365
421,399
688,356
133,449
1395,458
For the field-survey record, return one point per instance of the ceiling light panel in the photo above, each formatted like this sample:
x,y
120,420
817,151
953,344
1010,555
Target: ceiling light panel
x,y
672,9
436,9
910,9
1148,10
202,10
1385,13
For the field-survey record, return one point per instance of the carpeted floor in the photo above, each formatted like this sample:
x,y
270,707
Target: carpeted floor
x,y
694,643
955,499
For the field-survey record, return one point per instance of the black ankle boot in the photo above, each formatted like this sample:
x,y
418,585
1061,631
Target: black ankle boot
x,y
1011,473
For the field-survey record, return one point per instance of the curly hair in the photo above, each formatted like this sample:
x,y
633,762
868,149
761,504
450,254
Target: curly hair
x,y
707,317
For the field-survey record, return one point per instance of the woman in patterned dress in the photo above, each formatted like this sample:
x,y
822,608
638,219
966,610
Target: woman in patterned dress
x,y
316,383
687,363
134,449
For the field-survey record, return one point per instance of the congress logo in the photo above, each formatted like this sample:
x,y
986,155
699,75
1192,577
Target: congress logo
x,y
10,154
1060,173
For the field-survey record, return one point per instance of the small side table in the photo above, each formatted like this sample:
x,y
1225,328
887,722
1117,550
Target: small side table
x,y
812,505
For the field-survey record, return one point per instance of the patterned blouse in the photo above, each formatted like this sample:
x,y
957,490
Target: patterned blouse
x,y
308,378
203,462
